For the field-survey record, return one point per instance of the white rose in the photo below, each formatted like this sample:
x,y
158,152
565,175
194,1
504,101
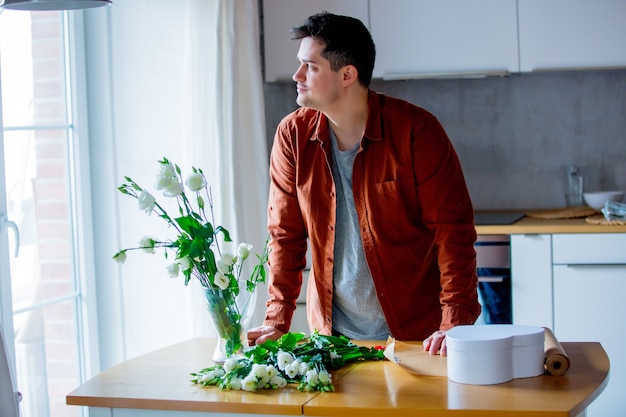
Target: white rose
x,y
304,367
259,370
165,176
311,377
221,281
223,266
249,383
324,377
297,364
243,250
292,369
173,269
235,383
120,257
174,189
271,371
195,181
184,263
283,359
278,381
147,244
230,364
146,201
228,258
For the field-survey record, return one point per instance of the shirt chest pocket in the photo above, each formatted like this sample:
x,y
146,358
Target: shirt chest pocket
x,y
400,194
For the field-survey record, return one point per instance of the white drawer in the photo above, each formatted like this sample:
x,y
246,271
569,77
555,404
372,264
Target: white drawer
x,y
589,248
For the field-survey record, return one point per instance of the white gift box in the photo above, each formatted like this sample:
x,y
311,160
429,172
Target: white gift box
x,y
494,353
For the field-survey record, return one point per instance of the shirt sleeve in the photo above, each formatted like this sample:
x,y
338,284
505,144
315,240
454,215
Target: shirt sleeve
x,y
288,243
448,213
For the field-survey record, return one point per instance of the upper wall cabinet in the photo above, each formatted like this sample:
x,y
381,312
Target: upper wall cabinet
x,y
279,16
424,38
571,34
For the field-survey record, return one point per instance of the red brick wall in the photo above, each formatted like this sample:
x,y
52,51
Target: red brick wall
x,y
53,211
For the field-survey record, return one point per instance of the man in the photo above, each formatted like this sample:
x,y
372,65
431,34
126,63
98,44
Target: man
x,y
376,187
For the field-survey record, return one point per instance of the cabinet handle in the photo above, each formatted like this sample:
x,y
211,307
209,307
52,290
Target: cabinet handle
x,y
613,265
446,75
494,278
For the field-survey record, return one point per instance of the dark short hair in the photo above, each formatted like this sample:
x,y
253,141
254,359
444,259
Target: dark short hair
x,y
346,42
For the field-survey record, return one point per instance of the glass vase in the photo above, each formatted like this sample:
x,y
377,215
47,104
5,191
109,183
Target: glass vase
x,y
230,311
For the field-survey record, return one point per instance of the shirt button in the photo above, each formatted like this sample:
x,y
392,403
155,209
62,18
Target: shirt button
x,y
328,320
329,259
331,228
332,194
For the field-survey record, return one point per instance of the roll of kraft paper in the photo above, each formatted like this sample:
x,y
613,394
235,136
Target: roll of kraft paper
x,y
557,361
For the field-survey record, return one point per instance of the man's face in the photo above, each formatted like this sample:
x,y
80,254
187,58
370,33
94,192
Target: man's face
x,y
317,85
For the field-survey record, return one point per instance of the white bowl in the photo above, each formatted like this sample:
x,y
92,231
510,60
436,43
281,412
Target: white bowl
x,y
597,199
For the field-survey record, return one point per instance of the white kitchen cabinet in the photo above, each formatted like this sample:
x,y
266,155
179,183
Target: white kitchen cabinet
x,y
279,16
531,279
589,286
571,34
425,38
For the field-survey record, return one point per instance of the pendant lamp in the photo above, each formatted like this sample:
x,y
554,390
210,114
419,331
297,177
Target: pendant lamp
x,y
52,4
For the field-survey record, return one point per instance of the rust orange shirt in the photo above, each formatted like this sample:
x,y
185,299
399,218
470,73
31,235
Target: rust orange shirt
x,y
415,216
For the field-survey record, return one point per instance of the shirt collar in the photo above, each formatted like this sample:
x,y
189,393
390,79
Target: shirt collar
x,y
372,128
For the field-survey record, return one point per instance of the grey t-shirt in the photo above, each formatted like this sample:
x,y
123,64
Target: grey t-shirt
x,y
356,311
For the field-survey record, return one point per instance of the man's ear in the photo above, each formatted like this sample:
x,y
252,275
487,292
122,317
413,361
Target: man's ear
x,y
350,75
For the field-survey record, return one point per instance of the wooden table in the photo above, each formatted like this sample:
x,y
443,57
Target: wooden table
x,y
160,381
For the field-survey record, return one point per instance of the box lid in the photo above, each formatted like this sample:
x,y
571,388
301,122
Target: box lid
x,y
526,335
493,337
478,338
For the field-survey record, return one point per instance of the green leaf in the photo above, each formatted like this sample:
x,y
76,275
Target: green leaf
x,y
197,249
189,224
224,232
207,231
289,340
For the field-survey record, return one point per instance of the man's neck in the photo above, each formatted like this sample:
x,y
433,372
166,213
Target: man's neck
x,y
348,119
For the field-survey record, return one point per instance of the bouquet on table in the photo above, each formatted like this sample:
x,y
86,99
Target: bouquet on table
x,y
197,251
293,358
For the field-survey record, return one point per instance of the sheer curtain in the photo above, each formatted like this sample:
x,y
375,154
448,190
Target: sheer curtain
x,y
180,80
226,119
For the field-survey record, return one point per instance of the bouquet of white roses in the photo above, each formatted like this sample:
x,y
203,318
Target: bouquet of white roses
x,y
196,248
293,358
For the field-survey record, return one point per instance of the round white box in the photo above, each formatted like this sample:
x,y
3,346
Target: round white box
x,y
494,353
479,355
528,350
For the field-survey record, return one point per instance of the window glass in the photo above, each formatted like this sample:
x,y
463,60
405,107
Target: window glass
x,y
37,139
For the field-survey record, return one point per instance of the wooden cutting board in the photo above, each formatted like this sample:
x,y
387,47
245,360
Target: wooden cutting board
x,y
562,213
599,219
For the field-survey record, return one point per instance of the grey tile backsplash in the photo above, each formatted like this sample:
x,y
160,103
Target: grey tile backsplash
x,y
516,136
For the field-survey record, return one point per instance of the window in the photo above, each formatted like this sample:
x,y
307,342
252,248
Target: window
x,y
47,284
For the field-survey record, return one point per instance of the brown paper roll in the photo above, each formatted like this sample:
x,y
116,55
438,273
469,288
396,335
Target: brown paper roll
x,y
557,361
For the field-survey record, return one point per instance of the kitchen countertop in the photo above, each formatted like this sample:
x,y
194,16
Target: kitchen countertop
x,y
528,225
160,381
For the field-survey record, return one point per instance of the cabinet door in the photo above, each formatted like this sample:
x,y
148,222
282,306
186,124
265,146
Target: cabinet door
x,y
423,38
589,248
589,306
279,16
531,279
571,34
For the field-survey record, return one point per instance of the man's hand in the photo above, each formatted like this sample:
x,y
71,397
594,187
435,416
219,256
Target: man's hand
x,y
436,343
260,334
